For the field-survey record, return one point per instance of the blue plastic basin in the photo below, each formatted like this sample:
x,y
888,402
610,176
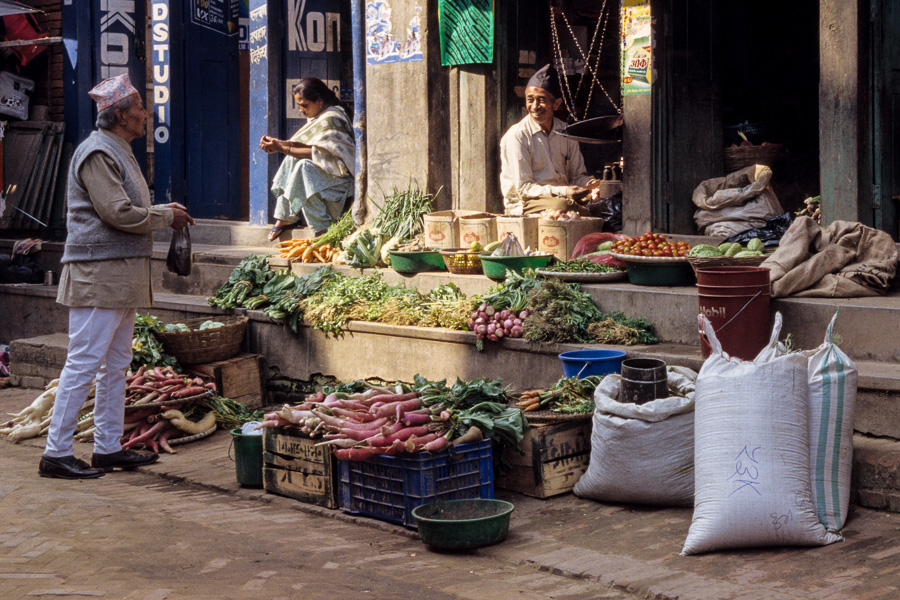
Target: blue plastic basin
x,y
582,363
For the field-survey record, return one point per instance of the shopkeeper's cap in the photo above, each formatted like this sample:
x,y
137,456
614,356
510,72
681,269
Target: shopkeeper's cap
x,y
546,78
109,91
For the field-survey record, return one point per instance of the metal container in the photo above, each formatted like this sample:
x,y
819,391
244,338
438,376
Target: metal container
x,y
48,277
643,380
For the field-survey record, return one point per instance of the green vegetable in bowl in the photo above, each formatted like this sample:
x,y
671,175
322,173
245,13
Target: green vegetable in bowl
x,y
706,250
210,325
756,245
176,327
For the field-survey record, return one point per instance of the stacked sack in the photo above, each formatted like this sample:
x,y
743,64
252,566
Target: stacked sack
x,y
772,446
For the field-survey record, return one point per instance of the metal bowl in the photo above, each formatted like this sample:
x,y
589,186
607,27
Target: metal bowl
x,y
463,524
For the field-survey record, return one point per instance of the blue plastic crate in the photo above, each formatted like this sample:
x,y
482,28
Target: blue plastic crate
x,y
390,487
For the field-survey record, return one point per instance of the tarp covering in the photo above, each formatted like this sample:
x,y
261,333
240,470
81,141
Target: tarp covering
x,y
7,7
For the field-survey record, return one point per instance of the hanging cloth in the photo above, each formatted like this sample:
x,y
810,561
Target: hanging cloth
x,y
467,32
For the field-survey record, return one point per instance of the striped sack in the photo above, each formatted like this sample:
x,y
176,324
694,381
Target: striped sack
x,y
832,397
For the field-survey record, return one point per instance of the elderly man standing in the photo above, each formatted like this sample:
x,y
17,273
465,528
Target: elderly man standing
x,y
539,168
105,277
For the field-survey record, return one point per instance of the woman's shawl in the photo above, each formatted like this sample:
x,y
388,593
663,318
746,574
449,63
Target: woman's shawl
x,y
331,136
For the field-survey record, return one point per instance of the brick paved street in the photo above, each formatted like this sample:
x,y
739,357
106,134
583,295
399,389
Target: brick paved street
x,y
184,529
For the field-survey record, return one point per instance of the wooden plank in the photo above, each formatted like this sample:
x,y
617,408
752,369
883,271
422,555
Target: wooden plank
x,y
240,377
551,479
294,464
309,488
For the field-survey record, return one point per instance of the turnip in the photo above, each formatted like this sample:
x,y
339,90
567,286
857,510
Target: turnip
x,y
499,332
482,329
482,315
492,337
504,314
479,336
517,321
482,307
524,314
471,323
516,331
480,320
489,310
507,324
491,328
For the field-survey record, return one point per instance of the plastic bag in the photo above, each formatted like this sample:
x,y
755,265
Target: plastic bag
x,y
588,244
769,234
510,246
610,210
179,259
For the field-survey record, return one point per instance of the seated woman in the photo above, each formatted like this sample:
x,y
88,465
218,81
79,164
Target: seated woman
x,y
316,177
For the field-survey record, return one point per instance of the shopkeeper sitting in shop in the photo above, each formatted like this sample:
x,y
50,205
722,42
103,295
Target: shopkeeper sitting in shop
x,y
316,176
539,168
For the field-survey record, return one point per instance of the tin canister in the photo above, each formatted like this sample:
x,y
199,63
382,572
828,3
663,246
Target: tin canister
x,y
48,277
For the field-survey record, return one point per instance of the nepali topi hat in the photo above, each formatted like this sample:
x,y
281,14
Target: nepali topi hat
x,y
109,91
546,78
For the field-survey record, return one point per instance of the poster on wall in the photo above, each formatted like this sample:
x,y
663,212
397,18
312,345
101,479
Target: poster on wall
x,y
381,44
637,45
221,16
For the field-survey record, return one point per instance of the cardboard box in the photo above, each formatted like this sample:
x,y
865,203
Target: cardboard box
x,y
239,378
559,237
556,455
477,228
525,229
294,466
442,227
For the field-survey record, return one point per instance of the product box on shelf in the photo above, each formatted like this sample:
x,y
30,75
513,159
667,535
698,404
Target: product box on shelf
x,y
559,237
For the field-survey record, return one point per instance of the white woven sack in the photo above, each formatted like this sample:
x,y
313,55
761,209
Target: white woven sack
x,y
642,453
751,452
832,399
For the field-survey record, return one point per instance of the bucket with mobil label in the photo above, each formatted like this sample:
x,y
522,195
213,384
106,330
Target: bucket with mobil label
x,y
736,302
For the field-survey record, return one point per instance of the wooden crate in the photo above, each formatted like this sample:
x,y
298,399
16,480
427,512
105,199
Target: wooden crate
x,y
277,263
555,457
239,378
295,467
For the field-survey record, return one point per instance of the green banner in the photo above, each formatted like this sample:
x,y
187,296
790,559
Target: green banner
x,y
467,31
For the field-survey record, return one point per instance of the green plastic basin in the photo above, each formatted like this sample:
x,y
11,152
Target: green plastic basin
x,y
463,524
495,266
417,261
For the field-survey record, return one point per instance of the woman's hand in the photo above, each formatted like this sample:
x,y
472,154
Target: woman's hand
x,y
270,145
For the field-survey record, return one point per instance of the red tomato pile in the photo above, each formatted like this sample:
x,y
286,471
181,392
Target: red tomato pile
x,y
651,244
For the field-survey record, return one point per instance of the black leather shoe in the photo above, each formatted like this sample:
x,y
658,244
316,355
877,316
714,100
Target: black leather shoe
x,y
123,459
67,467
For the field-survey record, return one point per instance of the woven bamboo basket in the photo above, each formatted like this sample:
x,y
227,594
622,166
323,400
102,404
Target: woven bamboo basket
x,y
206,346
460,261
701,262
736,158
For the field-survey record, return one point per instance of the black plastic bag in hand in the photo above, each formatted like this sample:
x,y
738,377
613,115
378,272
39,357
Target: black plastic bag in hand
x,y
179,258
769,234
610,210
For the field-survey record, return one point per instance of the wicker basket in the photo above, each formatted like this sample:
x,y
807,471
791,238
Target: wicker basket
x,y
736,158
460,261
208,345
701,262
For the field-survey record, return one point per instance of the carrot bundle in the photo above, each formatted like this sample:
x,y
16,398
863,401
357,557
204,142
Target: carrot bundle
x,y
307,251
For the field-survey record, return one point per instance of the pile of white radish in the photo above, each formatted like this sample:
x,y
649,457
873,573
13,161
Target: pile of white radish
x,y
34,420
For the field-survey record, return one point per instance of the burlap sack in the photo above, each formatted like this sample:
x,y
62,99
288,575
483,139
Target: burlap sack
x,y
739,201
844,260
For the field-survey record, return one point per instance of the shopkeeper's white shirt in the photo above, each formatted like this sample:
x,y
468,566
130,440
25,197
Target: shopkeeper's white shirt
x,y
534,164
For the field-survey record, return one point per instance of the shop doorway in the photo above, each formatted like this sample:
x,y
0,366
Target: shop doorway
x,y
884,207
724,68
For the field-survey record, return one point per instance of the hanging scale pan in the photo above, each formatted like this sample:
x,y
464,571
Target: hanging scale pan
x,y
597,130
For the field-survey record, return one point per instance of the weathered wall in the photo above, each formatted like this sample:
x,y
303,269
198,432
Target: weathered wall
x,y
406,108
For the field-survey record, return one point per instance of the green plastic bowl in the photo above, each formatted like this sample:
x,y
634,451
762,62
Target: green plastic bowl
x,y
463,524
495,266
417,262
660,273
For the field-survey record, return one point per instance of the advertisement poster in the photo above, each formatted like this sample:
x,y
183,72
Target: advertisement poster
x,y
381,45
221,16
637,45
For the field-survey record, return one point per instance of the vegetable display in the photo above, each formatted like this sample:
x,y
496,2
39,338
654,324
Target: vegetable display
x,y
581,266
755,247
145,348
425,416
651,244
246,280
569,395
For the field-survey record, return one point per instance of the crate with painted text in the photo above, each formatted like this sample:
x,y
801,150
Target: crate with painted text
x,y
294,466
556,455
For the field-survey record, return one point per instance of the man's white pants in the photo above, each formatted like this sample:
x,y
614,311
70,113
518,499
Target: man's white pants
x,y
99,345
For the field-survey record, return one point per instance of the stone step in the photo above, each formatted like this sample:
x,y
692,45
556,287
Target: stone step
x,y
230,233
